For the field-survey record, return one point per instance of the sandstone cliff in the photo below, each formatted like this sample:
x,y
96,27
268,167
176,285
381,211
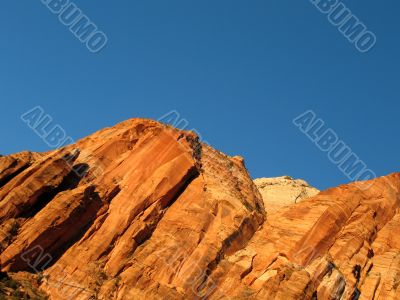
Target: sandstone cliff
x,y
145,211
283,191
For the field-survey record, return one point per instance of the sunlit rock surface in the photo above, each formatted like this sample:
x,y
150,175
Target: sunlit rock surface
x,y
144,211
283,191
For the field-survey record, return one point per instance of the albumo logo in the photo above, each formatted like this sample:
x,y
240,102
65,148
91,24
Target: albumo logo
x,y
78,23
339,153
347,23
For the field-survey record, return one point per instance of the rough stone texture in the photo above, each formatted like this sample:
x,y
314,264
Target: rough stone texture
x,y
283,191
145,211
13,164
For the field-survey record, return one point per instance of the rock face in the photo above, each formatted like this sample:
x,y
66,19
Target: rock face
x,y
145,211
283,191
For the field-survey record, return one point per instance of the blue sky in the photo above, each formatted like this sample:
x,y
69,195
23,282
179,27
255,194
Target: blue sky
x,y
238,71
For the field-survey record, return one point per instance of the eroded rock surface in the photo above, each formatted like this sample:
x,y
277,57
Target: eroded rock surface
x,y
144,211
283,191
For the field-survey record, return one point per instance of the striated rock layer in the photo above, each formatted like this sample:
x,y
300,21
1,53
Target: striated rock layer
x,y
145,211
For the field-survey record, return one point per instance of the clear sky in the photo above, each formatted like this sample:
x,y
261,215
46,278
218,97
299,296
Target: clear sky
x,y
238,71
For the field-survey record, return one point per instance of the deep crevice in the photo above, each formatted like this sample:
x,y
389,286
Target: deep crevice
x,y
357,272
14,174
147,234
70,181
188,179
356,295
81,220
59,251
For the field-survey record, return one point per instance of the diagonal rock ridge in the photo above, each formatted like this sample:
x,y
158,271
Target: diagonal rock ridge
x,y
142,210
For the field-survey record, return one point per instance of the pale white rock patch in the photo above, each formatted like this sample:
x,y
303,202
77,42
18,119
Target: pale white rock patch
x,y
283,191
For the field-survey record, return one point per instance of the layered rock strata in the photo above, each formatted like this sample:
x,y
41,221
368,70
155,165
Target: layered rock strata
x,y
144,211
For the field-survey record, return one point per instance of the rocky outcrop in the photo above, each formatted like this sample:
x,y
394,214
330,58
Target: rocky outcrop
x,y
324,247
13,164
283,191
103,217
145,211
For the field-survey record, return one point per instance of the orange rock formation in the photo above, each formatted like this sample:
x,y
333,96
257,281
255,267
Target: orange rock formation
x,y
144,211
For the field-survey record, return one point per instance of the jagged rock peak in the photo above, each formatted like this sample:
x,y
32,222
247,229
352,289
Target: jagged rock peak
x,y
141,210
